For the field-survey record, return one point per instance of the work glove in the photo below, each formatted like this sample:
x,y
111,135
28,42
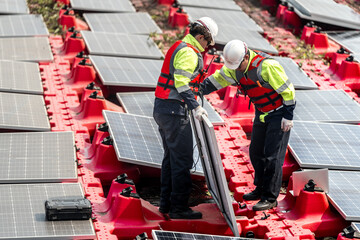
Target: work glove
x,y
286,124
199,111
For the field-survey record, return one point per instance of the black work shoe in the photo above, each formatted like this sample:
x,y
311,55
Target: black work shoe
x,y
185,214
254,195
264,205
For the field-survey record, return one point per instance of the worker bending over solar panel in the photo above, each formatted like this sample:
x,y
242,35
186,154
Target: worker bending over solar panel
x,y
269,89
182,65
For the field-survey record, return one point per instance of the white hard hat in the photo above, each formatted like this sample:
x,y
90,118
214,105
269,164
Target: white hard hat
x,y
233,53
211,26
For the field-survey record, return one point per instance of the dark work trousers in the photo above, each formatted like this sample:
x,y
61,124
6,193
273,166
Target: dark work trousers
x,y
267,153
177,140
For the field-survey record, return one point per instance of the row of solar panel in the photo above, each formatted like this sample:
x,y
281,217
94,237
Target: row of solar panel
x,y
138,23
24,111
338,15
329,145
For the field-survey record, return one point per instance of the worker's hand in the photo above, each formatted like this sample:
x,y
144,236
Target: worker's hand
x,y
199,111
286,124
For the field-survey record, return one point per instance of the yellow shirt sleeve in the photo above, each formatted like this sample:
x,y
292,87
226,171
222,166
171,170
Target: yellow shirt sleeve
x,y
273,73
185,63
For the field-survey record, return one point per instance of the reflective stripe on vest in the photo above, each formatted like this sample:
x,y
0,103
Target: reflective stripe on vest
x,y
264,97
165,88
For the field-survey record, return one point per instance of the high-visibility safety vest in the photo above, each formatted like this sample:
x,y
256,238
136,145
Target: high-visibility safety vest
x,y
264,97
165,88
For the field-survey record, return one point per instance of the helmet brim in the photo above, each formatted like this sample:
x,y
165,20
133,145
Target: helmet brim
x,y
231,65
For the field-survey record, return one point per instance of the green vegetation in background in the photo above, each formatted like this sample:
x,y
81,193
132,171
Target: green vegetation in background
x,y
49,9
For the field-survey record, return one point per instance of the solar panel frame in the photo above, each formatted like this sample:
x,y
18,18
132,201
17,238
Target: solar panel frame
x,y
142,103
297,76
213,169
170,235
13,7
103,5
132,23
121,45
325,145
214,4
22,26
326,106
37,157
134,72
139,151
328,12
356,226
20,77
253,38
344,193
357,57
23,213
223,17
23,112
33,49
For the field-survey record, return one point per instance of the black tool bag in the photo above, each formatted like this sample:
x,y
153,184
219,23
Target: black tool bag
x,y
68,209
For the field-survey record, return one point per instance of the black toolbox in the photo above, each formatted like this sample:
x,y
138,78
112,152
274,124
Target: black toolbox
x,y
68,209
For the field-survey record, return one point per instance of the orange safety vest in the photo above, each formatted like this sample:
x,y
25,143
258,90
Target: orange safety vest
x,y
264,97
165,88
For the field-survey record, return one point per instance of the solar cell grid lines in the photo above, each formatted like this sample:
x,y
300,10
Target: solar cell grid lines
x,y
33,49
225,17
133,23
21,77
116,71
253,38
347,39
168,235
23,215
23,112
344,193
37,157
22,26
139,103
103,5
326,145
215,4
297,76
137,140
326,106
13,7
142,103
121,45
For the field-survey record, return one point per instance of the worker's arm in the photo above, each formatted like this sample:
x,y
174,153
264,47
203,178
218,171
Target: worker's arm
x,y
185,63
273,73
221,78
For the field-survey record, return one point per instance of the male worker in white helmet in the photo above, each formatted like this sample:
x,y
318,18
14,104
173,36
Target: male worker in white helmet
x,y
269,89
182,66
